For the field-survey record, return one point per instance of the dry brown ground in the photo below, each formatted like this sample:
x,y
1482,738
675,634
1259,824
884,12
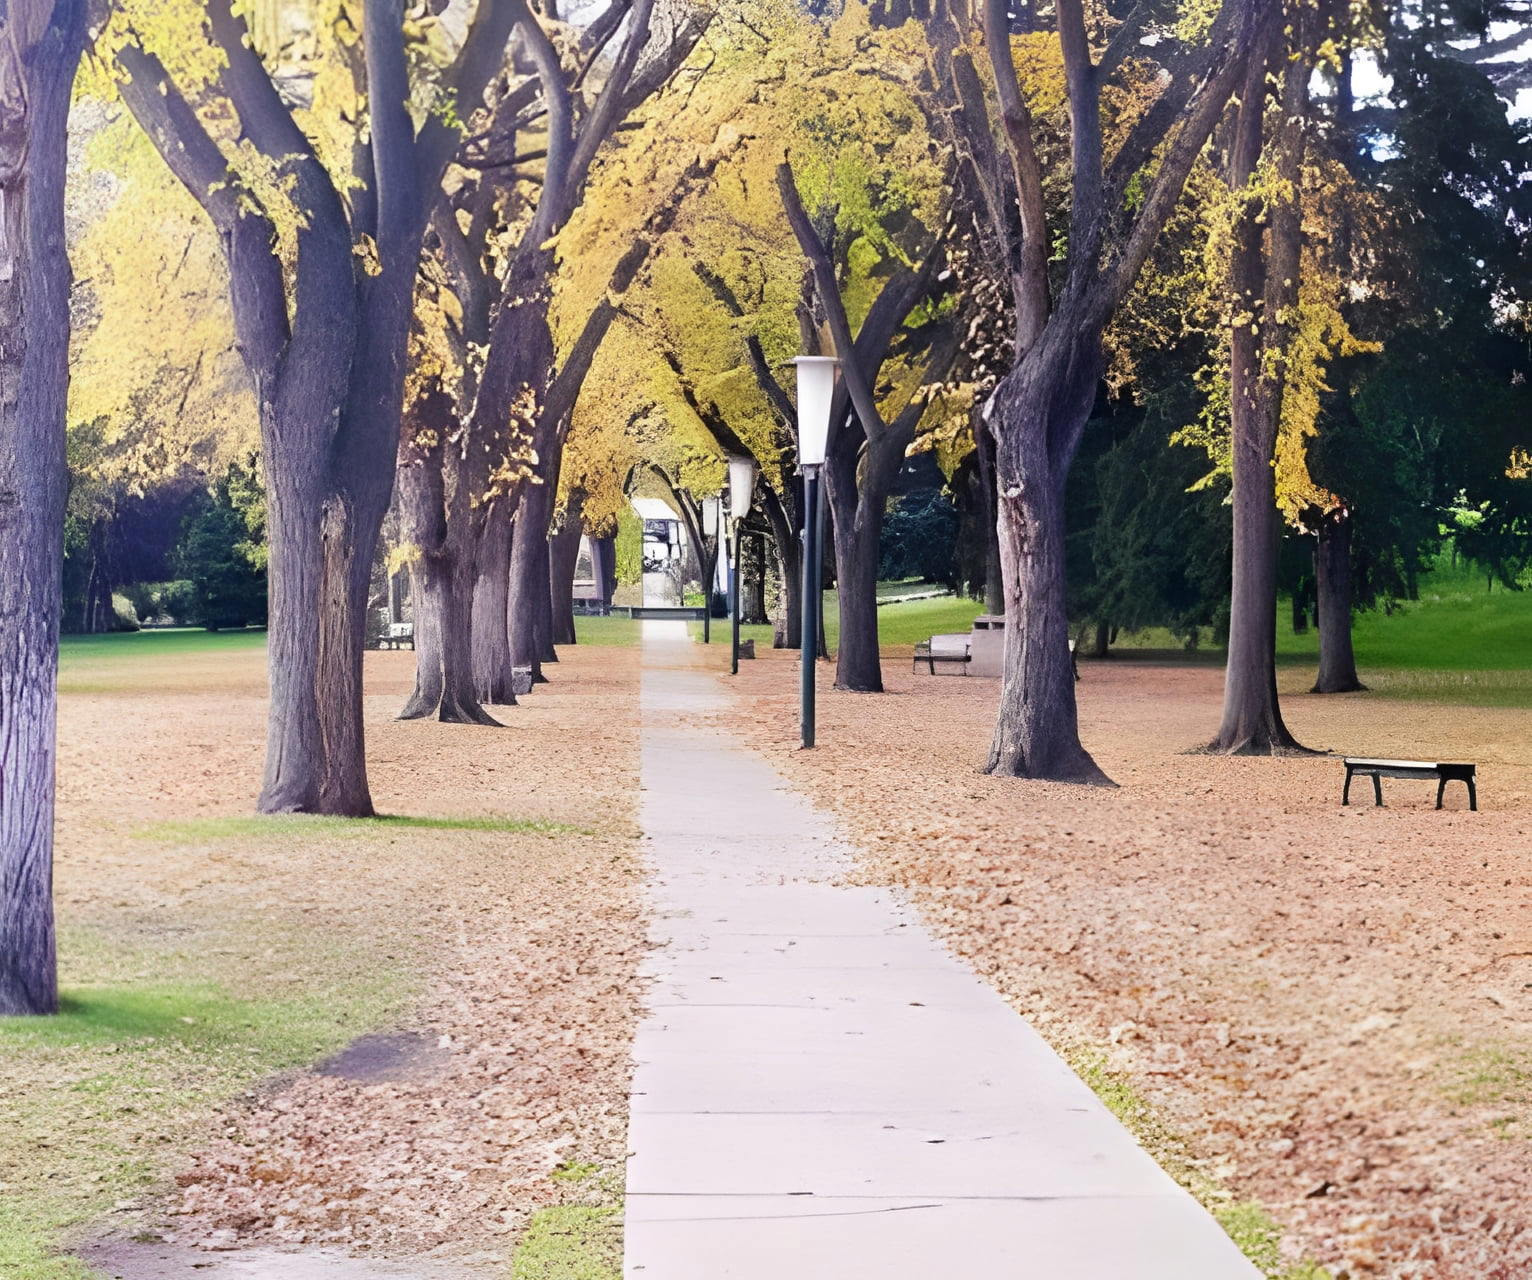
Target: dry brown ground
x,y
514,951
1333,1005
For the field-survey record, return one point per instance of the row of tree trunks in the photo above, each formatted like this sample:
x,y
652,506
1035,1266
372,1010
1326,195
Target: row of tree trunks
x,y
40,42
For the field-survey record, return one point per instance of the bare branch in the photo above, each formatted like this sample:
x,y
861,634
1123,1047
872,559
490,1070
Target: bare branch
x,y
1031,270
828,289
477,62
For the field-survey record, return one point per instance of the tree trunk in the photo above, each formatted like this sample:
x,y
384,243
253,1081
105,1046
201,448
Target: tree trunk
x,y
490,643
1252,718
433,502
97,615
603,564
787,625
857,512
1102,641
994,578
564,554
529,616
1332,571
1036,410
1037,731
753,580
1300,614
38,54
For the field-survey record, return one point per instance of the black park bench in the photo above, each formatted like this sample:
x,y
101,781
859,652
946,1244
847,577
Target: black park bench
x,y
1379,769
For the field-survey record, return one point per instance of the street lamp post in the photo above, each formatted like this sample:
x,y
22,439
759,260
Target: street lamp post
x,y
709,530
741,489
816,387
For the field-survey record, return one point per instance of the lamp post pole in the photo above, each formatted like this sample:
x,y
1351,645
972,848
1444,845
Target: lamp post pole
x,y
711,528
812,600
816,389
741,491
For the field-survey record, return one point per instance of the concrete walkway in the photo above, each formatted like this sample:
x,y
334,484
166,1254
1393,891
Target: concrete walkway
x,y
822,1090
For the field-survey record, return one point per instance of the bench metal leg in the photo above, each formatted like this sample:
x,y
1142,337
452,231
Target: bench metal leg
x,y
1441,786
1473,797
1345,795
1377,791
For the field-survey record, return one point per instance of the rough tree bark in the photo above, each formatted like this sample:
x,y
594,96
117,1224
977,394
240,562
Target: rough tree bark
x,y
1263,281
40,43
323,338
564,555
1039,408
530,613
1332,574
433,504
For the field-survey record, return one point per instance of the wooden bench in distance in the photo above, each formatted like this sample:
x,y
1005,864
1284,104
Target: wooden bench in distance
x,y
1380,769
945,649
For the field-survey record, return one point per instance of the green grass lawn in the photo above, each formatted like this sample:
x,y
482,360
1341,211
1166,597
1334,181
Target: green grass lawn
x,y
1460,642
898,624
160,642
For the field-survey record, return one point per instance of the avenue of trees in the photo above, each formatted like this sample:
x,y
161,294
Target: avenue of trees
x,y
1148,313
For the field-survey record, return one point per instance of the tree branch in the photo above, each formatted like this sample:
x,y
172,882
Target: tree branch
x,y
396,173
597,126
1087,210
255,275
1031,255
478,61
770,384
828,289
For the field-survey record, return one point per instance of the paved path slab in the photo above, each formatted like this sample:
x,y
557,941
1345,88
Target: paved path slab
x,y
822,1090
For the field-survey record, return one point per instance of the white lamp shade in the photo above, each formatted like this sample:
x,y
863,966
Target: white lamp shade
x,y
709,517
741,485
816,388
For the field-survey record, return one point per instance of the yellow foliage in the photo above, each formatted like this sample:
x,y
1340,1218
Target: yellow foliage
x,y
154,368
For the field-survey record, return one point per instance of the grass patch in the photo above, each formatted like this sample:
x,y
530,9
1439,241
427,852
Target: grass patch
x,y
899,625
571,1242
612,630
98,1098
1496,1078
1256,1232
286,825
580,1239
161,642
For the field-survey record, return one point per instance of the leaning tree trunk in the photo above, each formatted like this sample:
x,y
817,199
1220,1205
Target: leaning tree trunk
x,y
39,49
1332,573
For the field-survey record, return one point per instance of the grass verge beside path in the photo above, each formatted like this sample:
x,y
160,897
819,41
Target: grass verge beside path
x,y
150,1040
211,959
